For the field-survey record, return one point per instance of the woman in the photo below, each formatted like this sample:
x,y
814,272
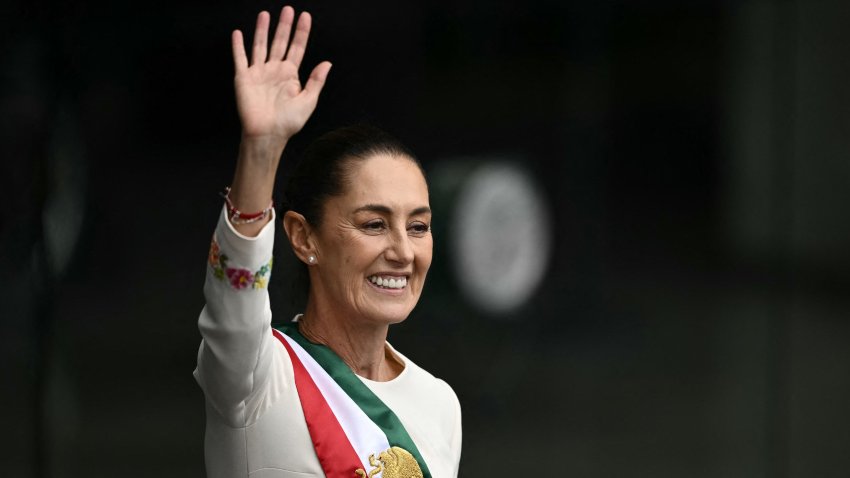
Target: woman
x,y
325,395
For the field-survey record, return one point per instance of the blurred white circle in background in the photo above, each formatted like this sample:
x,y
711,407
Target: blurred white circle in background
x,y
500,237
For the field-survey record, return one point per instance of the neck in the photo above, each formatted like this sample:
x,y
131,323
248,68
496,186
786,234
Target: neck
x,y
361,346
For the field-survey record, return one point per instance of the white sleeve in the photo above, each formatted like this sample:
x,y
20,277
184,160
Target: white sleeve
x,y
236,349
457,435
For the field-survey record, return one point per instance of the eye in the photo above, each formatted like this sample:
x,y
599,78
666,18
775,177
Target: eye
x,y
376,225
419,228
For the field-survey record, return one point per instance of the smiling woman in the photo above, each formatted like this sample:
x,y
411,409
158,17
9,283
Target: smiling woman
x,y
365,251
325,395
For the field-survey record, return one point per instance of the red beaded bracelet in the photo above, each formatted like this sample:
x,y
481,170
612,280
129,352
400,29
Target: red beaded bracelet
x,y
238,217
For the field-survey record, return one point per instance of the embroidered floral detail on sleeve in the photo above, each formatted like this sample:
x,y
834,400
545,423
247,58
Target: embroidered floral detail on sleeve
x,y
237,277
260,282
215,258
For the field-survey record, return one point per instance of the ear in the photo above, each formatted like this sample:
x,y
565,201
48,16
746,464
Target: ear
x,y
300,233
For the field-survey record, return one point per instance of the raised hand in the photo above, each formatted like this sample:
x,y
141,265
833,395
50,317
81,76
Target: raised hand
x,y
272,107
271,102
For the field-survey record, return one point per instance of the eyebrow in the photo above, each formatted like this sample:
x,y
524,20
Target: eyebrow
x,y
386,210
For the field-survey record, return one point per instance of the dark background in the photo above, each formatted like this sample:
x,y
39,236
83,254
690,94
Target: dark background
x,y
695,315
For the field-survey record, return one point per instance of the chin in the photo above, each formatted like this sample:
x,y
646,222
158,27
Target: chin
x,y
389,314
388,308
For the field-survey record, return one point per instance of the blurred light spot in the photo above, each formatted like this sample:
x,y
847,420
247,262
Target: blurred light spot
x,y
500,237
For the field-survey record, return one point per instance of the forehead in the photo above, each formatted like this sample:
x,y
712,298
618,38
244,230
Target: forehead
x,y
394,181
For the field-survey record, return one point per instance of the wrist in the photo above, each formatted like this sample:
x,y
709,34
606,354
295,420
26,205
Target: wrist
x,y
238,216
258,160
256,168
262,148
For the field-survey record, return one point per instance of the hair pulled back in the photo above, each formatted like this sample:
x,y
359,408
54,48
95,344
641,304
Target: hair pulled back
x,y
326,167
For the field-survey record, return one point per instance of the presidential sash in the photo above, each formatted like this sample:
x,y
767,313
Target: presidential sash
x,y
354,433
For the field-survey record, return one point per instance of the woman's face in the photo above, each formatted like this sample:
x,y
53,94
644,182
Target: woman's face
x,y
374,245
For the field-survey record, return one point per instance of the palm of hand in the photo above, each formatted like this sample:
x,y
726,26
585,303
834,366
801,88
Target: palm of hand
x,y
269,97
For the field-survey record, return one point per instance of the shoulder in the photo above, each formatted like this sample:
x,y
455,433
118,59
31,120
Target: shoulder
x,y
422,382
432,407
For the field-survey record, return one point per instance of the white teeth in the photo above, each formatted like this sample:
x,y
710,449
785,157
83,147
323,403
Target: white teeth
x,y
389,283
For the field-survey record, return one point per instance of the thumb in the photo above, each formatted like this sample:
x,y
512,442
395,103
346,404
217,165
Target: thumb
x,y
317,80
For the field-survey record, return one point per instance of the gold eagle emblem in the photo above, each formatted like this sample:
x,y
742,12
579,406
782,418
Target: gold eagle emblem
x,y
395,463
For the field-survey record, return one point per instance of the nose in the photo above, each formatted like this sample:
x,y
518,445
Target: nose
x,y
399,249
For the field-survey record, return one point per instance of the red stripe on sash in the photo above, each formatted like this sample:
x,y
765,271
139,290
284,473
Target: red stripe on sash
x,y
336,455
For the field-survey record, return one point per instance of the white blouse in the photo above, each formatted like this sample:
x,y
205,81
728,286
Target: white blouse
x,y
255,424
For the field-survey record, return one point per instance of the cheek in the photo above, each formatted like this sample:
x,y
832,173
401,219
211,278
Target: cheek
x,y
360,254
425,254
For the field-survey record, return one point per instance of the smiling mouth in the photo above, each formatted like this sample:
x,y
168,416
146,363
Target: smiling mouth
x,y
387,282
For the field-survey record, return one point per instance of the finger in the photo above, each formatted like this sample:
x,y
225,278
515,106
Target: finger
x,y
317,80
240,60
261,39
299,41
281,33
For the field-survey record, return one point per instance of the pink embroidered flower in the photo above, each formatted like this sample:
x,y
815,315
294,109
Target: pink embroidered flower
x,y
214,253
240,278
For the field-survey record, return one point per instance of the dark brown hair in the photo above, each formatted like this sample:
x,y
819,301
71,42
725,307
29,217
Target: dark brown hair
x,y
326,167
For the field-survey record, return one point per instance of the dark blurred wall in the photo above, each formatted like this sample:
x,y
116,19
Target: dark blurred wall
x,y
694,315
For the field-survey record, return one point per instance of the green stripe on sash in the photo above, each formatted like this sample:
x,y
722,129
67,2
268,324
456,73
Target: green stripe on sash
x,y
371,405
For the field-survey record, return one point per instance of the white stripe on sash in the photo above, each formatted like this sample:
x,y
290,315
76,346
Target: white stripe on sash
x,y
365,436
